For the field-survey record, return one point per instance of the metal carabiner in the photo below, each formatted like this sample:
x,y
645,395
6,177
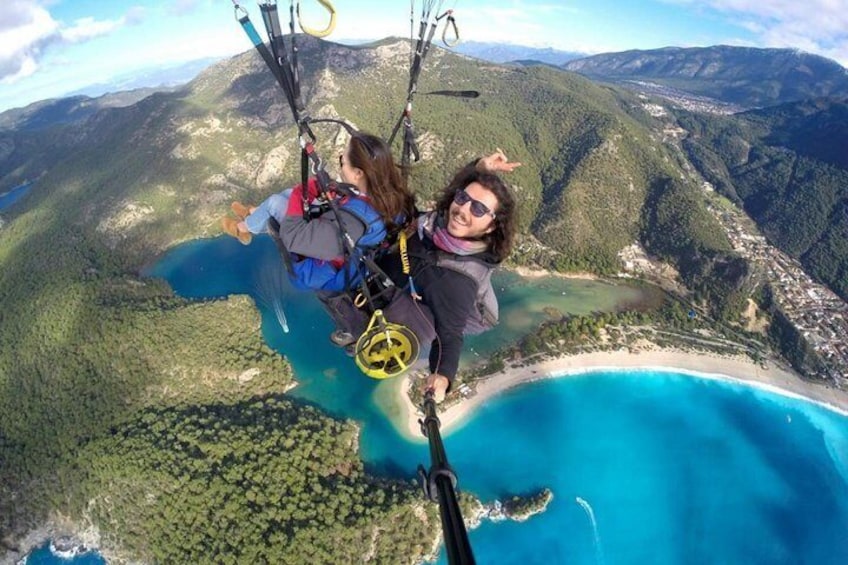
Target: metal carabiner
x,y
451,23
330,26
239,11
359,300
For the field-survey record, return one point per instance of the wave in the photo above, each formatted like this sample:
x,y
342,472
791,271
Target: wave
x,y
596,537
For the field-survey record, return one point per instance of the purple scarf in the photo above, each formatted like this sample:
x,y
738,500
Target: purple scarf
x,y
433,226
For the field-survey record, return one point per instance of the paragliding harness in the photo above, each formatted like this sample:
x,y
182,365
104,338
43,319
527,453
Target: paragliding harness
x,y
384,349
307,273
484,315
401,304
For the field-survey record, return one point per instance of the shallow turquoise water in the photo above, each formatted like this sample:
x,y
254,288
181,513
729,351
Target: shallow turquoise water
x,y
645,467
674,469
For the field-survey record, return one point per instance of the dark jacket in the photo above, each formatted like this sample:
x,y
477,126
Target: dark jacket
x,y
450,295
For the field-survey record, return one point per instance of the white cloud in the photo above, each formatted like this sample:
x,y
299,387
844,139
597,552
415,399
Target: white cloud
x,y
27,30
88,28
529,24
816,26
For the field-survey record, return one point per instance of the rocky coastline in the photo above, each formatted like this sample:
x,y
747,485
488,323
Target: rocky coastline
x,y
67,540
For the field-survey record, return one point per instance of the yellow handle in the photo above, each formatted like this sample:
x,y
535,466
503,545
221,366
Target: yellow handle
x,y
324,32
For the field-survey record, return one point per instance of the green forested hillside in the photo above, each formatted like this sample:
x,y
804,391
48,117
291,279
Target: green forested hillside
x,y
109,383
235,483
177,159
787,167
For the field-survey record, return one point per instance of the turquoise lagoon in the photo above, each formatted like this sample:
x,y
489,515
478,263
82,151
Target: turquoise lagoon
x,y
645,467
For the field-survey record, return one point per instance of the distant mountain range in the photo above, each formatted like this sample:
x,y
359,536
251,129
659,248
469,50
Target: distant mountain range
x,y
744,76
507,53
47,113
160,77
735,78
123,90
785,162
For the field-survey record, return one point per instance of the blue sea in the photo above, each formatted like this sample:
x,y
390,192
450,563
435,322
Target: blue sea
x,y
43,556
645,467
10,197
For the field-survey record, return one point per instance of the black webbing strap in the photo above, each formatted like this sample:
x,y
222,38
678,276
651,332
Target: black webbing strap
x,y
426,30
285,71
294,67
422,47
278,47
247,26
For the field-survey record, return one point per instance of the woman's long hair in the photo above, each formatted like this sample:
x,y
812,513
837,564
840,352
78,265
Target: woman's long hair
x,y
500,239
387,191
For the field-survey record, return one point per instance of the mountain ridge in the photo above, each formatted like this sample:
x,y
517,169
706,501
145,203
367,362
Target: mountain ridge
x,y
785,165
748,76
598,153
508,53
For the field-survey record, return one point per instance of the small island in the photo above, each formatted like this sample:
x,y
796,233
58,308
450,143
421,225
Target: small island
x,y
518,508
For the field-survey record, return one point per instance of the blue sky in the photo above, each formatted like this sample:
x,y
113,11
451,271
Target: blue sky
x,y
49,48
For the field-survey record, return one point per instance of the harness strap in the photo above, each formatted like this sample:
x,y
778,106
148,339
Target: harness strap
x,y
271,20
404,260
426,31
247,26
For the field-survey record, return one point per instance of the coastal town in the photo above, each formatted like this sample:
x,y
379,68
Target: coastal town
x,y
687,100
819,315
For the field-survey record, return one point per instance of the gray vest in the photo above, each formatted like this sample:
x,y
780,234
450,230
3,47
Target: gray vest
x,y
484,315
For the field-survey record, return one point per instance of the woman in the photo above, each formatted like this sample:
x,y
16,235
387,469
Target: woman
x,y
372,202
474,221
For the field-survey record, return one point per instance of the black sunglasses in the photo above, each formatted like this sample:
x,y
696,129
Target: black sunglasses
x,y
478,209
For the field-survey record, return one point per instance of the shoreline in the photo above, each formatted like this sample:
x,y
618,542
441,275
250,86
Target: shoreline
x,y
739,370
536,273
53,528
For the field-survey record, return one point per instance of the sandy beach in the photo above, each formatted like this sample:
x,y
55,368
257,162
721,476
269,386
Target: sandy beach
x,y
772,377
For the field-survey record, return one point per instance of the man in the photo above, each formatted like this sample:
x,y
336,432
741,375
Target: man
x,y
453,250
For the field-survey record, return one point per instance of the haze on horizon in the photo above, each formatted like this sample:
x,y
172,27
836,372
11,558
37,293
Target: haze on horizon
x,y
50,48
